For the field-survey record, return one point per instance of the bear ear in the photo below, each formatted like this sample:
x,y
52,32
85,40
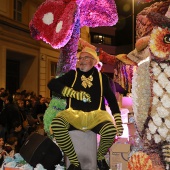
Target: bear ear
x,y
53,22
98,13
159,20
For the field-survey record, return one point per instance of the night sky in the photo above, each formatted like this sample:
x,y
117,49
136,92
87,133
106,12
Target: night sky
x,y
124,25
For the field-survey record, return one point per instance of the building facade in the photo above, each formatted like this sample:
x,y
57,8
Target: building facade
x,y
25,63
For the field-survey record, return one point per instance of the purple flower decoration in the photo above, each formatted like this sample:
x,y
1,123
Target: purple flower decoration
x,y
94,13
54,21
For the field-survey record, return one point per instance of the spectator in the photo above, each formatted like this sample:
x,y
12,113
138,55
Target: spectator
x,y
3,130
3,97
3,153
39,109
18,132
22,111
2,90
11,113
10,145
29,110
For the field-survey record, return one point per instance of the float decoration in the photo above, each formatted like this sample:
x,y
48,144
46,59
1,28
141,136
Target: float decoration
x,y
144,26
140,160
54,22
122,65
56,105
151,83
58,23
82,44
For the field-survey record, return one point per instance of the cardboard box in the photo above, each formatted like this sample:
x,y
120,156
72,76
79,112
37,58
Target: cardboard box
x,y
121,140
119,154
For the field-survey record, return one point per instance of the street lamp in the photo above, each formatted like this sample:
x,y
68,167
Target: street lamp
x,y
133,24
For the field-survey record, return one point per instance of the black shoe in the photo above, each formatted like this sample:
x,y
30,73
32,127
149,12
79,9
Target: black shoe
x,y
102,165
73,167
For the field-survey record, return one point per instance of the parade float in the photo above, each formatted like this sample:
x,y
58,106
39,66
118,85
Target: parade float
x,y
58,23
151,88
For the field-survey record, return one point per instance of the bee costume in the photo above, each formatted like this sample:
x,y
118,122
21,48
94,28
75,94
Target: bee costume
x,y
83,114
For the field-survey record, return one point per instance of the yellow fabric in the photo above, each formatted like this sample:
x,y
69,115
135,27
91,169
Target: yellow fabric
x,y
117,118
85,120
66,91
86,81
90,51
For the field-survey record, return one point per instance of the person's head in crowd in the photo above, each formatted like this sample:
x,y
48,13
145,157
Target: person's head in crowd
x,y
20,103
40,96
33,99
1,142
9,99
48,100
10,145
2,90
4,96
3,153
42,100
17,96
23,94
11,140
28,103
17,127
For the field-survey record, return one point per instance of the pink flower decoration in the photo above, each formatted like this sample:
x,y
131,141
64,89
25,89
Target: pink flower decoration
x,y
94,13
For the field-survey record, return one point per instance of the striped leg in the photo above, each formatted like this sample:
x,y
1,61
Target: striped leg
x,y
60,129
107,136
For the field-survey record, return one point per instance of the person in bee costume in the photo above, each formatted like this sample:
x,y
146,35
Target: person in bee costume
x,y
85,89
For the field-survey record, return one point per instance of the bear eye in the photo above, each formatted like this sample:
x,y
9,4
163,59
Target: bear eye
x,y
166,39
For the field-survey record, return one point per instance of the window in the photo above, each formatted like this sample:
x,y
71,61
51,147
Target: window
x,y
18,4
53,75
53,69
102,39
107,40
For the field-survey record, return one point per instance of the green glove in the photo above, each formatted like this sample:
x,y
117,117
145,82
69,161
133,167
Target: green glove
x,y
69,92
119,126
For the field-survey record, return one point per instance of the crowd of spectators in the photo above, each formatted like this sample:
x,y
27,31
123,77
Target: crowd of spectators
x,y
21,114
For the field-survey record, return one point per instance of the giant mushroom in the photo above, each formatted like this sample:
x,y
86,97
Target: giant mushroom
x,y
58,23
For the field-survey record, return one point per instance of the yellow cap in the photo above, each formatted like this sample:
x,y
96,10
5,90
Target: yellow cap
x,y
90,51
